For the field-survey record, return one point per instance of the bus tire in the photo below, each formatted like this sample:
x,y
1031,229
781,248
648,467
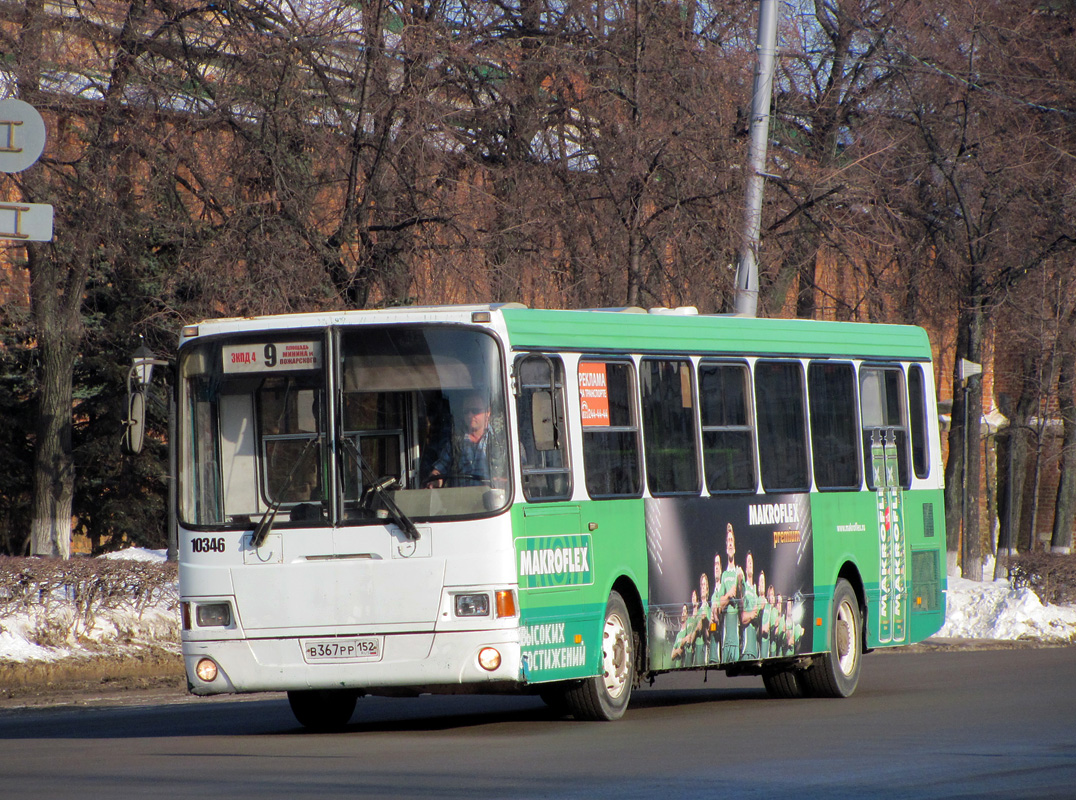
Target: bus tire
x,y
323,709
605,696
835,673
783,684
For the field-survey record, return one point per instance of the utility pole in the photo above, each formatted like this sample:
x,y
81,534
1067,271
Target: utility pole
x,y
747,270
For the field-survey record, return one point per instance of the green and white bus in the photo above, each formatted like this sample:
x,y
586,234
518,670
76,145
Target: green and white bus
x,y
503,499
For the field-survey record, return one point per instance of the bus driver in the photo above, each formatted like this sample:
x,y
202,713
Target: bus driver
x,y
470,454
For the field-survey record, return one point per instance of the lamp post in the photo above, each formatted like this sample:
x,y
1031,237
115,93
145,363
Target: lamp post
x,y
967,370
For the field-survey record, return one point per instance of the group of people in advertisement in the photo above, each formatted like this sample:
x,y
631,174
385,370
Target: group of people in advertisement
x,y
740,618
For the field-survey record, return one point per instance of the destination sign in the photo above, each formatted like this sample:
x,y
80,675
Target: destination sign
x,y
271,357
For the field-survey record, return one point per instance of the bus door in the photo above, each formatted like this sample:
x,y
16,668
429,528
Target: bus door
x,y
554,554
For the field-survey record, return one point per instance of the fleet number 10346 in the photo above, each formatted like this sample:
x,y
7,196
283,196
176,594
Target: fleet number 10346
x,y
207,544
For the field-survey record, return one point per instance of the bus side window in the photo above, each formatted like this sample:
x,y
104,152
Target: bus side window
x,y
882,406
543,430
669,441
917,401
782,426
834,438
610,429
727,435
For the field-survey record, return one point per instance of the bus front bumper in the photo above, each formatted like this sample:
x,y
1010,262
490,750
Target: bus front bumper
x,y
418,662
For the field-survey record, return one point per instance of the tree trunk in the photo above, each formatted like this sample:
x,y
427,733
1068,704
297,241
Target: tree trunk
x,y
962,479
1036,483
1065,508
58,326
58,278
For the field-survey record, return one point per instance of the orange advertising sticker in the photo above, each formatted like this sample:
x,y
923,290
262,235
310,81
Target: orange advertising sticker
x,y
593,394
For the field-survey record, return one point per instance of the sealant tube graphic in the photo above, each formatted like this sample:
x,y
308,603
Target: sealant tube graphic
x,y
885,545
898,562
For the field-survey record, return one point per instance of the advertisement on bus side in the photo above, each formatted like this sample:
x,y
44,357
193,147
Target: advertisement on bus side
x,y
731,579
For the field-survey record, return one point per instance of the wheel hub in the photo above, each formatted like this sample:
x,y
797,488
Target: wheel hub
x,y
616,656
846,648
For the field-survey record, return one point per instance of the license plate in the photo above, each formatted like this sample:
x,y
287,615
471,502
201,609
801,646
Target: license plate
x,y
345,648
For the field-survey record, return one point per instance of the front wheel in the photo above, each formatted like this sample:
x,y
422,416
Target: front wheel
x,y
323,709
835,673
605,697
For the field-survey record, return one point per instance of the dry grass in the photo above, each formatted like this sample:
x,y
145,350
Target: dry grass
x,y
1050,576
66,599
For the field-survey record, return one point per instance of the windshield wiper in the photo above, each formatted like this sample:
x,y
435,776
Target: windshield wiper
x,y
265,524
380,487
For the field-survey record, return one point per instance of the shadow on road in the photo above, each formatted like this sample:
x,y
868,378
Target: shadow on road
x,y
271,716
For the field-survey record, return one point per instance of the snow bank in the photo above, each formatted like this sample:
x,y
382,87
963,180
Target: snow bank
x,y
53,626
995,610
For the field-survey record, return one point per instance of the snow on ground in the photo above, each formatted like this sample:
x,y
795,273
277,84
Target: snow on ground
x,y
138,554
30,637
974,610
995,610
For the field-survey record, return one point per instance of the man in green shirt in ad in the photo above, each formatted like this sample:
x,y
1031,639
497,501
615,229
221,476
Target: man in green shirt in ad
x,y
702,624
680,643
732,583
769,620
750,612
714,655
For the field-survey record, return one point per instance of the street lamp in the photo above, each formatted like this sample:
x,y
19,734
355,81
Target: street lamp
x,y
142,363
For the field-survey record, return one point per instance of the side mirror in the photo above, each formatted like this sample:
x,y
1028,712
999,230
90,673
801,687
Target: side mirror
x,y
135,432
545,431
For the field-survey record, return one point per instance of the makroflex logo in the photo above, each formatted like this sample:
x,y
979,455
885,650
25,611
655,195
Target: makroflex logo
x,y
554,561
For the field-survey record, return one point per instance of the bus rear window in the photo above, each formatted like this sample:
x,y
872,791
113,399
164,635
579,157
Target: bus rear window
x,y
883,410
917,400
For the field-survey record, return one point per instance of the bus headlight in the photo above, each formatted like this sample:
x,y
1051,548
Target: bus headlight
x,y
489,659
206,670
214,615
472,605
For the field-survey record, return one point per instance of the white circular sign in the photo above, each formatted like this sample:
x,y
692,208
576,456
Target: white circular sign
x,y
22,135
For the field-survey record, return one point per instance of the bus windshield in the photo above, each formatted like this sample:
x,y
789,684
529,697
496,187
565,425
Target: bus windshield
x,y
330,428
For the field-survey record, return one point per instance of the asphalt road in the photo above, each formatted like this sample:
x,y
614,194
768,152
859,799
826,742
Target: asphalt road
x,y
980,724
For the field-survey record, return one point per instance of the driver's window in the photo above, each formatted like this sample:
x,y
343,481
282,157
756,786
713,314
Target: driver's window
x,y
543,432
466,441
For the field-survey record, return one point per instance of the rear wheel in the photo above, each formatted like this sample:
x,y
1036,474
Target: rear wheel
x,y
605,696
783,685
323,709
835,673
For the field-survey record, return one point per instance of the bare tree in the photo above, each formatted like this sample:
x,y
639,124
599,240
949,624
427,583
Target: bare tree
x,y
832,82
88,179
985,219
